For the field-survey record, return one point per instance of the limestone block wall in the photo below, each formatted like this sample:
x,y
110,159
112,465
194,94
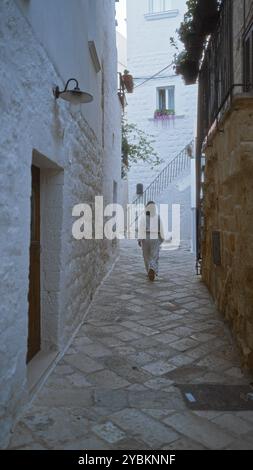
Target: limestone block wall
x,y
67,144
228,208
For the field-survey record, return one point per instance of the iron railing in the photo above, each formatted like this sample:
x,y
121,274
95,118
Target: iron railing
x,y
248,57
216,74
167,175
215,90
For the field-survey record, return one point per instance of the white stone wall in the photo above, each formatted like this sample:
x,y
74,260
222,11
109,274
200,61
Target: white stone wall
x,y
78,150
149,51
179,192
122,52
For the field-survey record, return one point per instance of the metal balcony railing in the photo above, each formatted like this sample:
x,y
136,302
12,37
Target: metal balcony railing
x,y
176,166
216,74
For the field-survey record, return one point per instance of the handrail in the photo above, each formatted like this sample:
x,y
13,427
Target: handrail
x,y
178,164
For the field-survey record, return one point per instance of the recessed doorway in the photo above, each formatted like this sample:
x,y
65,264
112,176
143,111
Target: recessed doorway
x,y
34,320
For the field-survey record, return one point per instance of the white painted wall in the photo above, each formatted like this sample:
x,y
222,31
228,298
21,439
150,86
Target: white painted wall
x,y
149,50
78,150
122,52
121,16
64,28
122,65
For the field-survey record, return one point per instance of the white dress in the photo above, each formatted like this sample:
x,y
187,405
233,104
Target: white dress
x,y
151,236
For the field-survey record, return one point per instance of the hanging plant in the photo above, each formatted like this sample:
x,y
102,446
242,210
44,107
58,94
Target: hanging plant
x,y
127,79
187,67
199,22
206,16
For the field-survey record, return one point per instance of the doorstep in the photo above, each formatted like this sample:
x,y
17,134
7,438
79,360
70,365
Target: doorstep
x,y
39,369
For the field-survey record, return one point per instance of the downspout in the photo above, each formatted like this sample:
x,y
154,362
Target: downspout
x,y
198,149
244,15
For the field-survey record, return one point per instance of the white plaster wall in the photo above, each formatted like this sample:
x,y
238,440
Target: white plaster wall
x,y
64,28
122,52
71,139
149,50
179,192
122,65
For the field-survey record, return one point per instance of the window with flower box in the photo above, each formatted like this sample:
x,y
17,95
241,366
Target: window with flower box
x,y
165,102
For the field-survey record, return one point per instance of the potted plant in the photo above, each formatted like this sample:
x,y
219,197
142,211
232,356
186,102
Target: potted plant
x,y
207,16
127,79
191,37
186,66
164,113
200,18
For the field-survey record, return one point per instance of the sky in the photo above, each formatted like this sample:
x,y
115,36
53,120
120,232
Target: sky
x,y
121,16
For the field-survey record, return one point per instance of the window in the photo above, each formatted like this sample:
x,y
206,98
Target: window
x,y
162,99
248,60
166,98
156,6
161,9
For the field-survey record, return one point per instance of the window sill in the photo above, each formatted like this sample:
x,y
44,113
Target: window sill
x,y
160,15
171,118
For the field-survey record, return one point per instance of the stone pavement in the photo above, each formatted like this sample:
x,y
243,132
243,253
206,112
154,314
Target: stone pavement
x,y
115,387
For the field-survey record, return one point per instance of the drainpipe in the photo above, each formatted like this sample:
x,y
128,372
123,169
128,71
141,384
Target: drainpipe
x,y
198,153
244,16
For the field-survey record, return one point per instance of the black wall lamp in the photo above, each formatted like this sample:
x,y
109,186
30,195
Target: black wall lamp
x,y
74,96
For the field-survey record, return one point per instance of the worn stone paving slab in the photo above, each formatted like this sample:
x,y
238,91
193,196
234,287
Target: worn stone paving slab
x,y
230,422
200,430
116,386
153,433
108,379
109,432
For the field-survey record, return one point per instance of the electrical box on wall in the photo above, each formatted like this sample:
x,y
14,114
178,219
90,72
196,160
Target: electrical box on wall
x,y
216,248
139,189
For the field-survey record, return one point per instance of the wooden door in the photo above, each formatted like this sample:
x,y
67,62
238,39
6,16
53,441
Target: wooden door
x,y
34,273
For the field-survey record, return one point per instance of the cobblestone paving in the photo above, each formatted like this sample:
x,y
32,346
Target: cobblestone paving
x,y
115,387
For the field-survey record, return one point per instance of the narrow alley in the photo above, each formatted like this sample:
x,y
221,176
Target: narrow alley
x,y
117,385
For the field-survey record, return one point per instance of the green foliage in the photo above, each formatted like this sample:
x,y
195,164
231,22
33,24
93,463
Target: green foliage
x,y
191,9
187,26
199,22
164,112
137,146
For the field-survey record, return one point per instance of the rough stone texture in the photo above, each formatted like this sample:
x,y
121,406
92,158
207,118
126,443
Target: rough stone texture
x,y
120,402
67,145
228,208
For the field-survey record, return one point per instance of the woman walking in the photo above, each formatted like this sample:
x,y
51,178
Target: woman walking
x,y
150,238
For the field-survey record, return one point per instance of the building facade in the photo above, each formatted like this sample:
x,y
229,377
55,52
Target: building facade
x,y
53,156
164,107
122,52
225,169
122,66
